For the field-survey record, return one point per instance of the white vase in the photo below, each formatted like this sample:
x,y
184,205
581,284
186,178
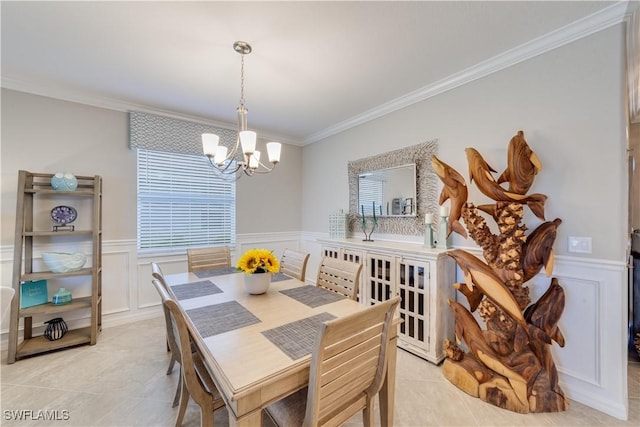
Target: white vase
x,y
257,283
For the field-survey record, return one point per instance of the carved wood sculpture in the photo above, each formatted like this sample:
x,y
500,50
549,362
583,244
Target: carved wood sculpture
x,y
509,364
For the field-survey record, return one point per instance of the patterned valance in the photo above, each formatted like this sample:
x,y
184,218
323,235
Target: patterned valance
x,y
160,133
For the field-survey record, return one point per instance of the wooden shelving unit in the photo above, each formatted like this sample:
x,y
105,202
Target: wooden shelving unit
x,y
30,187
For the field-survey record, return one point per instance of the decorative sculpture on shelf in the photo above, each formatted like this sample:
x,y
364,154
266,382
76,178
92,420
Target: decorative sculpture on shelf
x,y
373,222
508,364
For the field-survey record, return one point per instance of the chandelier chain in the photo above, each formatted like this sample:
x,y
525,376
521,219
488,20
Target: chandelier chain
x,y
242,80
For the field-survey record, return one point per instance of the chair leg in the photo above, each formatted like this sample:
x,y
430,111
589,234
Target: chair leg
x,y
367,414
206,416
171,363
184,400
176,398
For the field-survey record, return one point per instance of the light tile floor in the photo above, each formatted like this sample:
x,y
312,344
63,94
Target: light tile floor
x,y
121,381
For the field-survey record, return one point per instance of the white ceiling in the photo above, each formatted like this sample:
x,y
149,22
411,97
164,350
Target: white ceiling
x,y
316,67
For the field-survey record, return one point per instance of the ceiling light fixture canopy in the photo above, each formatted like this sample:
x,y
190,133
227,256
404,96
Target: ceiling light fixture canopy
x,y
248,161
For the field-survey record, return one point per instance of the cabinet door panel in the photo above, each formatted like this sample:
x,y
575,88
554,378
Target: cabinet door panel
x,y
412,282
379,279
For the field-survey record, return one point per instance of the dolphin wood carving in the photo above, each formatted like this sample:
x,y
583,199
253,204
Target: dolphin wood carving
x,y
477,273
467,329
545,313
538,249
522,165
480,171
455,188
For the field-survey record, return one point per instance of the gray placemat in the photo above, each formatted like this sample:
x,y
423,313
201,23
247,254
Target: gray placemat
x,y
296,339
195,289
312,296
278,277
219,318
216,272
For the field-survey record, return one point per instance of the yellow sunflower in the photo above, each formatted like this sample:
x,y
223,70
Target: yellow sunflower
x,y
258,261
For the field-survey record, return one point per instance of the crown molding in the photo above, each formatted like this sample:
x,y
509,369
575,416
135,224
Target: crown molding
x,y
577,30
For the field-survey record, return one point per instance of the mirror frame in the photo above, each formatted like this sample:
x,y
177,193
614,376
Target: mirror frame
x,y
426,187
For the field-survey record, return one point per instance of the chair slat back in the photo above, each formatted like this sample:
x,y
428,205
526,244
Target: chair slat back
x,y
339,276
348,364
294,263
211,258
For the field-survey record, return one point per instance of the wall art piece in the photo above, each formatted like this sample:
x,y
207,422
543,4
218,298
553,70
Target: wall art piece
x,y
508,363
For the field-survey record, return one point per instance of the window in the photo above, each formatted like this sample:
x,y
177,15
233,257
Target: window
x,y
182,202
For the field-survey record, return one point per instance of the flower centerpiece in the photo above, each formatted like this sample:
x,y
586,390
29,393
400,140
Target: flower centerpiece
x,y
258,265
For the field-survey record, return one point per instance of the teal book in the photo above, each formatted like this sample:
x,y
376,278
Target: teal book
x,y
33,293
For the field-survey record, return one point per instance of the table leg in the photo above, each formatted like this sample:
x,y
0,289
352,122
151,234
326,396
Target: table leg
x,y
251,420
388,391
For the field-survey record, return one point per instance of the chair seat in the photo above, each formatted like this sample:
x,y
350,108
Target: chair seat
x,y
289,411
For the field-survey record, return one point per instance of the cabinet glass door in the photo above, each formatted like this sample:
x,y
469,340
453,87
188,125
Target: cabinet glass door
x,y
413,286
379,278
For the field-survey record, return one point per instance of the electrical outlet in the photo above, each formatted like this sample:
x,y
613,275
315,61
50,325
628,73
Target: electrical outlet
x,y
580,245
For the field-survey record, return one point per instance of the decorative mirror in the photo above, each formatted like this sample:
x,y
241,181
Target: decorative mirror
x,y
425,188
390,191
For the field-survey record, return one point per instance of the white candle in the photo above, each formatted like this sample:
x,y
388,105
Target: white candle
x,y
444,210
428,218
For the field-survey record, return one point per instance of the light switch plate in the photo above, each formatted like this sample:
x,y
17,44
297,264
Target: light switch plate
x,y
579,245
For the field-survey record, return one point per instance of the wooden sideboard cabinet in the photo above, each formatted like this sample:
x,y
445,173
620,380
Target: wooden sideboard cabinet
x,y
422,277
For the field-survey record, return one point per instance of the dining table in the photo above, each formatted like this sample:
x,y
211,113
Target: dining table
x,y
258,348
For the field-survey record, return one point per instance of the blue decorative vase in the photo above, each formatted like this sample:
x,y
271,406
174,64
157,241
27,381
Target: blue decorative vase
x,y
62,296
64,181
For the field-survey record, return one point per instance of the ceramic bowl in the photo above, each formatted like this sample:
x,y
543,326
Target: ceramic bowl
x,y
59,262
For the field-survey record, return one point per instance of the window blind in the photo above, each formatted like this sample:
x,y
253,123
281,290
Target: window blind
x,y
182,202
370,191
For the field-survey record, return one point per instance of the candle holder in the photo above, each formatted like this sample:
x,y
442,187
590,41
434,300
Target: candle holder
x,y
429,241
443,242
373,222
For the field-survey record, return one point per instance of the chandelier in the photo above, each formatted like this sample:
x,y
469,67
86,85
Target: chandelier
x,y
247,161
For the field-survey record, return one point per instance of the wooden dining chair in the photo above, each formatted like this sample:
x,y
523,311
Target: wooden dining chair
x,y
348,367
156,273
339,276
211,258
172,343
195,379
294,263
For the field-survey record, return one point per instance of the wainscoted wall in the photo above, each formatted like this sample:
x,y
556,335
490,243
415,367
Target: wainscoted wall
x,y
595,291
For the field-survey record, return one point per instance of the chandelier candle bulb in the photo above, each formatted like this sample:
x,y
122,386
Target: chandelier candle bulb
x,y
254,160
273,150
248,141
221,155
210,143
